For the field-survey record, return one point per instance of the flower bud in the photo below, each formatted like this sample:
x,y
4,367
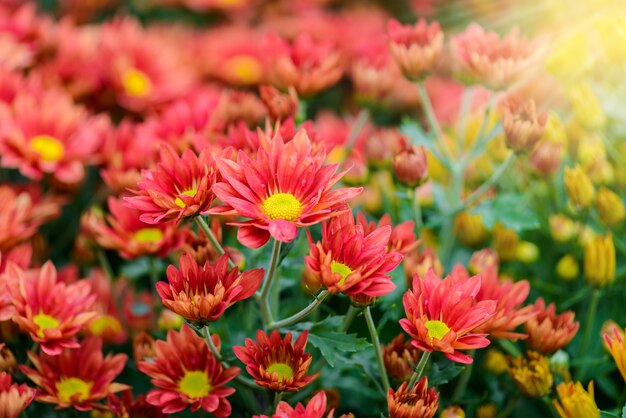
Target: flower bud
x,y
144,347
410,166
527,252
531,374
567,267
415,48
559,364
280,106
610,207
562,228
495,362
587,107
469,228
169,320
483,259
579,187
452,412
609,328
505,242
487,410
599,261
522,125
547,156
575,401
8,363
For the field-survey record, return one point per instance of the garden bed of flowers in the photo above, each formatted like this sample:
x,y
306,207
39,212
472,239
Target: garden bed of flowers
x,y
312,208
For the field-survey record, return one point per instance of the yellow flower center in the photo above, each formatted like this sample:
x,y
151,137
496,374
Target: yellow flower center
x,y
47,147
195,384
44,322
245,68
148,235
69,387
282,206
436,329
136,83
104,323
342,269
283,370
189,192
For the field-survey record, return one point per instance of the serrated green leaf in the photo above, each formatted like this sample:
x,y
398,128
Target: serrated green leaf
x,y
509,210
441,372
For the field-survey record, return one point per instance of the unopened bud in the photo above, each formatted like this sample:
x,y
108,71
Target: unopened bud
x,y
411,166
610,207
579,187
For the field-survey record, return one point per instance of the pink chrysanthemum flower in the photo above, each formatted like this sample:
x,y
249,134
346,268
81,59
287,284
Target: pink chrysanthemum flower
x,y
315,408
285,188
14,398
49,310
442,315
178,187
352,261
416,48
48,134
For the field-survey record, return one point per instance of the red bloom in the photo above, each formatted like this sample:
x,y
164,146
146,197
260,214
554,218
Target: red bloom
x,y
76,378
416,402
315,408
48,309
402,239
179,186
443,314
547,331
276,363
123,231
187,374
201,294
285,188
14,398
125,406
349,260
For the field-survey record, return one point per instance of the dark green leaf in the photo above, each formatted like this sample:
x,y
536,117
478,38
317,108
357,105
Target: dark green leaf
x,y
510,210
441,372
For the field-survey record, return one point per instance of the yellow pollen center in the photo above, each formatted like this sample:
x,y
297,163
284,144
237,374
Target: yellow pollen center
x,y
104,323
148,235
195,384
47,147
44,322
282,206
342,269
283,370
436,329
136,83
190,192
69,387
245,68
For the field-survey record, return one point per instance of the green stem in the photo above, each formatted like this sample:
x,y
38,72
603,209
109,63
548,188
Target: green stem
x,y
302,314
266,312
460,388
510,406
154,278
419,369
209,342
591,316
548,402
432,119
510,347
377,349
211,236
489,183
106,266
277,398
417,211
347,321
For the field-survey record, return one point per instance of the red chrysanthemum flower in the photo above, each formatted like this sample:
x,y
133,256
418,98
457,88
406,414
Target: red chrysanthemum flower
x,y
315,408
124,406
400,358
48,134
509,297
416,402
547,331
179,186
402,239
443,314
14,398
201,294
20,256
276,363
76,378
349,260
286,187
188,374
51,311
124,232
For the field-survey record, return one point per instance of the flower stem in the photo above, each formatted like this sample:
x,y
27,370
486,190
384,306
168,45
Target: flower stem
x,y
432,118
302,314
106,266
209,342
356,129
419,369
460,388
591,317
277,398
489,183
377,350
347,321
154,278
417,210
211,236
266,312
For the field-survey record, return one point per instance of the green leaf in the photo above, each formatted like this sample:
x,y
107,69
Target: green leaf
x,y
624,412
441,372
325,337
510,210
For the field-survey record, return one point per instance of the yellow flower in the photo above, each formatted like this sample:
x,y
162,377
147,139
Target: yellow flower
x,y
562,228
599,261
610,207
578,186
567,267
495,361
587,107
532,374
505,242
570,58
470,229
575,401
527,252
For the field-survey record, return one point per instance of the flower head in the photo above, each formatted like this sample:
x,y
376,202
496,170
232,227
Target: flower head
x,y
547,331
187,374
14,398
201,294
610,207
286,187
532,374
417,401
416,48
617,347
442,315
400,358
411,166
575,402
352,261
179,186
124,406
599,260
51,311
276,363
315,408
523,126
579,187
76,377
